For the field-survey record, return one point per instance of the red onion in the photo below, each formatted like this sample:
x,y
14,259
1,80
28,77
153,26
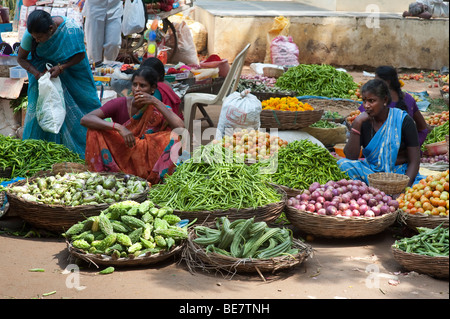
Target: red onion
x,y
376,210
328,195
298,196
322,211
289,202
366,196
335,192
347,213
346,197
320,199
343,206
353,206
318,206
310,207
331,210
379,197
314,195
363,208
355,194
393,203
361,201
314,186
304,196
372,202
369,213
343,182
385,209
356,212
301,207
386,198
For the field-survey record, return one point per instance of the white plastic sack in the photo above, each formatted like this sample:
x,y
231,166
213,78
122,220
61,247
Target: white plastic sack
x,y
186,50
133,17
284,51
239,110
50,106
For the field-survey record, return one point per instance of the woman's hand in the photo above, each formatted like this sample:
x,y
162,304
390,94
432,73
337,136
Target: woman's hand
x,y
142,99
128,137
55,71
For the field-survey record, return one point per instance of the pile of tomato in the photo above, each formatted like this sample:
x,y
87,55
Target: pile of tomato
x,y
437,118
352,116
430,196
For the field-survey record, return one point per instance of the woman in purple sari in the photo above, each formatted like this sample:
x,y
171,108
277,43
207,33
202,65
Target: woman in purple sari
x,y
387,135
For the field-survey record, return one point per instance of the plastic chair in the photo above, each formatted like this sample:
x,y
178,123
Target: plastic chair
x,y
192,101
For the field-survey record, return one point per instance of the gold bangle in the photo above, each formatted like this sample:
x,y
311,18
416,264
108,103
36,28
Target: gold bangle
x,y
60,68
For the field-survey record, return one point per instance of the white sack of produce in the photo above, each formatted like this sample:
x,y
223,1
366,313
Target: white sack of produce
x,y
239,110
291,136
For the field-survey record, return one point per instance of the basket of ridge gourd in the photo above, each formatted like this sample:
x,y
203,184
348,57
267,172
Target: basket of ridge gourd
x,y
127,233
426,253
204,188
54,201
243,246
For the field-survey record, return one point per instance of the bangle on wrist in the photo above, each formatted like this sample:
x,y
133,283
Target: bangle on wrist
x,y
61,69
114,123
355,131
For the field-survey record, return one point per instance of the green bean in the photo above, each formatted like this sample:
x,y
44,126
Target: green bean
x,y
429,242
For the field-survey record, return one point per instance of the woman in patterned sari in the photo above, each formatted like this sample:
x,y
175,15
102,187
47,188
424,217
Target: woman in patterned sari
x,y
140,139
388,137
58,41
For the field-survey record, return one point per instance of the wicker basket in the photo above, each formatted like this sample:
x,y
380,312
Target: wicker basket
x,y
56,218
68,167
288,120
422,220
262,96
195,256
268,213
432,266
106,260
338,227
390,183
290,192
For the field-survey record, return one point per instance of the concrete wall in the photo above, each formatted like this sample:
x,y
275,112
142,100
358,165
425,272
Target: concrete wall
x,y
359,5
337,40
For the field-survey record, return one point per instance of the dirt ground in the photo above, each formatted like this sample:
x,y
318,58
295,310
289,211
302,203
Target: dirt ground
x,y
361,268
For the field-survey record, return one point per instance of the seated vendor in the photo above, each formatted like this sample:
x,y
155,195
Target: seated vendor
x,y
402,100
163,92
139,140
388,137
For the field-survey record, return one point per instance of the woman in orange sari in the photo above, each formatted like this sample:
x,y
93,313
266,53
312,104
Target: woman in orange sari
x,y
140,139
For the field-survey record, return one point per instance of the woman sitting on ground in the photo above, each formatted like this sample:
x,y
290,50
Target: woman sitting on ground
x,y
140,139
402,100
387,135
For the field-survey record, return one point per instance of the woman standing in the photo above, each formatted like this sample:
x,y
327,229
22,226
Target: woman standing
x,y
58,41
139,140
387,135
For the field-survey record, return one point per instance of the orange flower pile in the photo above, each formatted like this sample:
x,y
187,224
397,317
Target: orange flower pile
x,y
285,104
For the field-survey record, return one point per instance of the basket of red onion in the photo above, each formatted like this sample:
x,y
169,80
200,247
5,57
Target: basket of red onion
x,y
341,209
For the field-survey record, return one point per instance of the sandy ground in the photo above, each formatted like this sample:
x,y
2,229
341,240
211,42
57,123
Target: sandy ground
x,y
362,268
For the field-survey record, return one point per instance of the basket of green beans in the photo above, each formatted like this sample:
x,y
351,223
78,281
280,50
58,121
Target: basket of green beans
x,y
426,252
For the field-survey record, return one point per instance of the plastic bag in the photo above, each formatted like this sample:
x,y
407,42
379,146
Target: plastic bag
x,y
133,17
186,50
280,26
239,110
50,106
284,51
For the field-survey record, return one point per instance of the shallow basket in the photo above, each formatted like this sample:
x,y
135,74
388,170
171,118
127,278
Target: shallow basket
x,y
68,167
289,120
105,260
268,213
56,218
421,220
196,256
432,266
338,227
262,96
390,183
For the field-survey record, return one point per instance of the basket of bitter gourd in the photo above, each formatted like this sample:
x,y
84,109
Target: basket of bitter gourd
x,y
243,245
205,188
55,202
127,233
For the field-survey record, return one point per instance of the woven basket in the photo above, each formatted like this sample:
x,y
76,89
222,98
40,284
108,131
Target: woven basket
x,y
338,227
288,120
268,213
68,167
422,220
344,106
195,256
432,266
390,183
290,192
262,96
106,260
56,218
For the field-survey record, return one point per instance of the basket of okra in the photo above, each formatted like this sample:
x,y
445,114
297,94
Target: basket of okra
x,y
425,253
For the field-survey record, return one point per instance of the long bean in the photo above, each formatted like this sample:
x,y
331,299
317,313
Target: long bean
x,y
301,163
430,242
197,186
